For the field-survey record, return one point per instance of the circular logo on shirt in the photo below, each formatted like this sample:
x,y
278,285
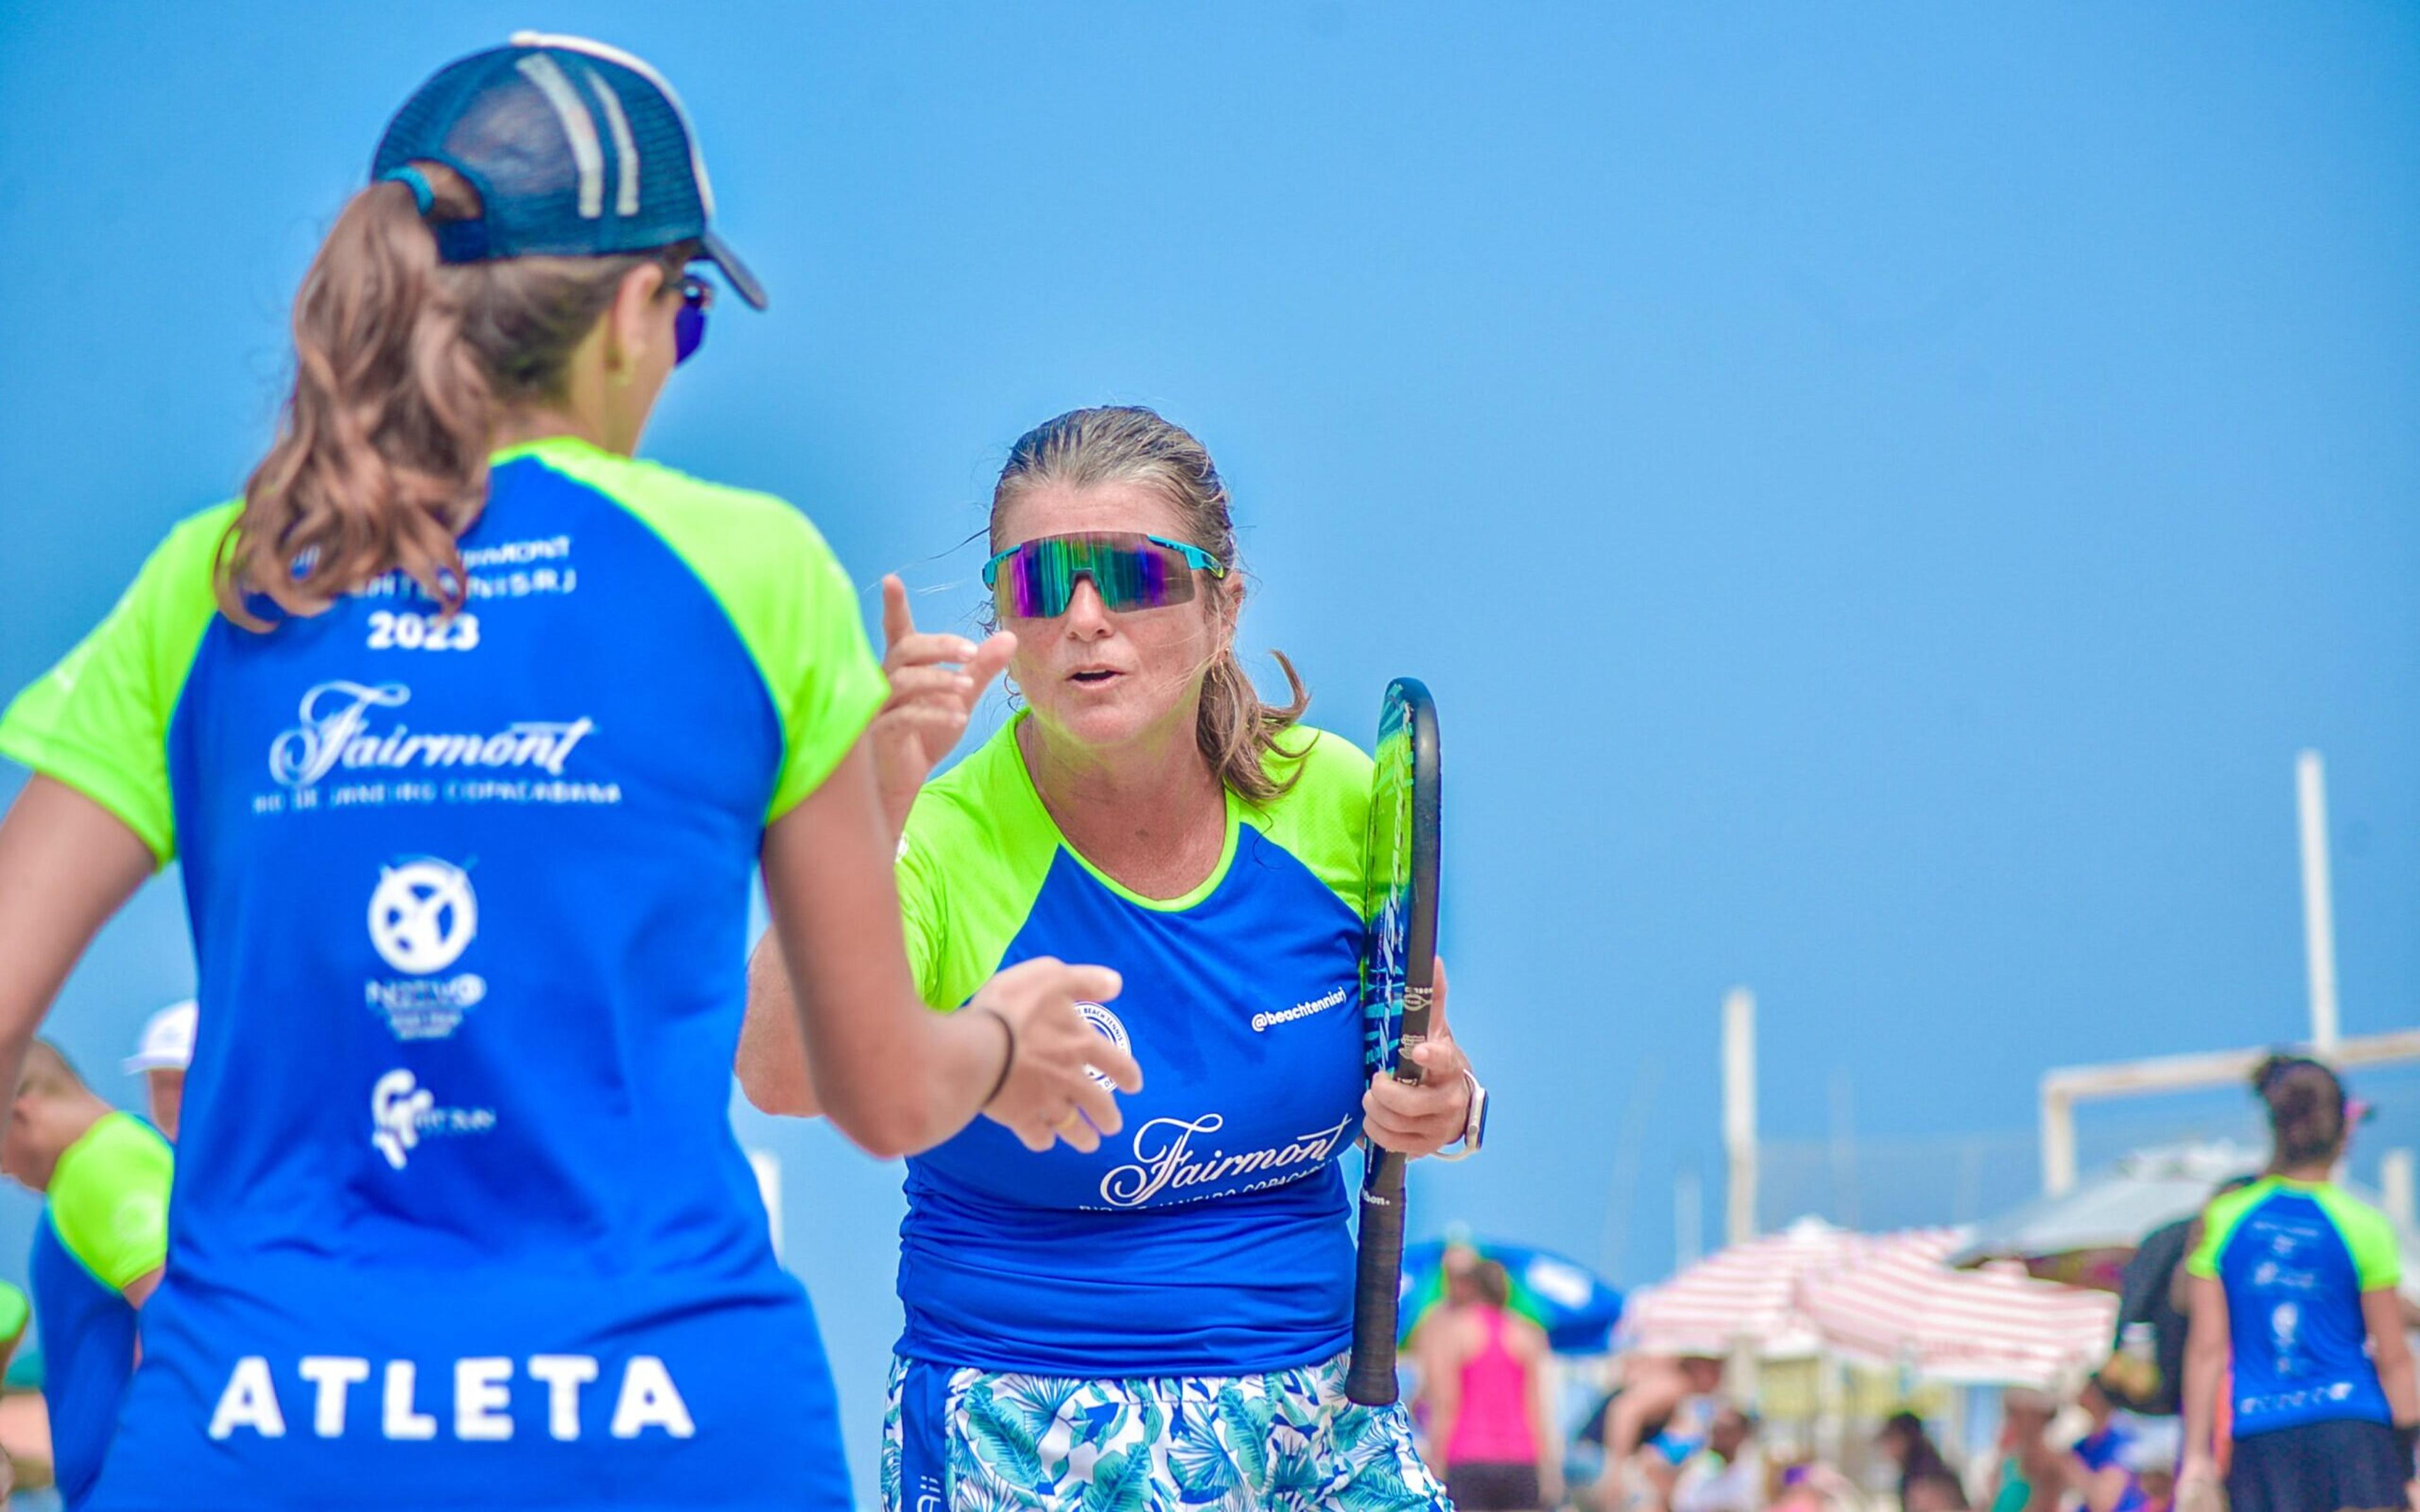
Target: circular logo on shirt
x,y
423,916
1111,1028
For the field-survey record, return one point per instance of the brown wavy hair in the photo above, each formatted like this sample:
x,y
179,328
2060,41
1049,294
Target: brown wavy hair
x,y
403,365
1236,730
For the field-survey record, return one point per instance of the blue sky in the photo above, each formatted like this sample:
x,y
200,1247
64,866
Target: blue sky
x,y
1881,493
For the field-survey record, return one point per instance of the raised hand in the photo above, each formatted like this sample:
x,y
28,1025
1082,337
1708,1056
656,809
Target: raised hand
x,y
935,681
1051,1092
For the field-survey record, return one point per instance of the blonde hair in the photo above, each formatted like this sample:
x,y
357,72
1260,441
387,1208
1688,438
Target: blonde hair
x,y
402,365
1236,730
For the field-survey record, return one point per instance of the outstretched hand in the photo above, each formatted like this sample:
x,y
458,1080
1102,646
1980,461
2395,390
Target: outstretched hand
x,y
1422,1119
1059,1085
935,681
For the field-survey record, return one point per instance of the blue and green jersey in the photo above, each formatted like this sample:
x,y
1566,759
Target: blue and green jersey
x,y
458,1212
2295,1258
1210,1236
104,1227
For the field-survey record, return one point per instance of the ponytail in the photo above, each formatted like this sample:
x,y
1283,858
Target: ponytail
x,y
2306,1109
1237,731
403,365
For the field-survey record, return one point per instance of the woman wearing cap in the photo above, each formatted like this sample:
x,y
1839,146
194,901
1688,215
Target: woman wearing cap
x,y
159,1059
468,730
1162,1322
2296,1322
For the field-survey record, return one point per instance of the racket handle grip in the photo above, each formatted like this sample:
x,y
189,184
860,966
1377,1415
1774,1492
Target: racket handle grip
x,y
1370,1381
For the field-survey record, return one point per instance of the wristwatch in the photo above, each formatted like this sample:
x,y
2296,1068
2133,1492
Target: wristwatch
x,y
1474,1123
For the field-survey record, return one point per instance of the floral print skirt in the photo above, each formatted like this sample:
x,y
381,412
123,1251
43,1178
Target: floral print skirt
x,y
981,1441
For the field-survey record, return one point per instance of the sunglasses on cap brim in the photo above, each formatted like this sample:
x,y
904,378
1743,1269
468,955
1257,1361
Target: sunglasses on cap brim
x,y
1036,580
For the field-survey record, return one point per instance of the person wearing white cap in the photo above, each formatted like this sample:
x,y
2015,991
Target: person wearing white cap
x,y
161,1057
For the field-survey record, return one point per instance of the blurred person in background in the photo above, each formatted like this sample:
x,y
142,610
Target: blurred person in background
x,y
161,1057
1728,1475
2145,1372
2098,1468
1905,1442
1934,1490
2295,1324
1812,1485
99,1250
1633,1428
2030,1474
1483,1383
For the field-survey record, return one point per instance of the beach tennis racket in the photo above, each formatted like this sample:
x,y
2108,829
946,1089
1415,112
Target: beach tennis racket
x,y
1399,899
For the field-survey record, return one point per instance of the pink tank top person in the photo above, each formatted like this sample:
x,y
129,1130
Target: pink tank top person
x,y
1492,1427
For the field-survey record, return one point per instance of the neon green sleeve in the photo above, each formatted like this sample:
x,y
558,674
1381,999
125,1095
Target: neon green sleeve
x,y
98,720
15,1312
924,914
2218,1221
109,1199
2367,1236
1323,820
785,592
978,848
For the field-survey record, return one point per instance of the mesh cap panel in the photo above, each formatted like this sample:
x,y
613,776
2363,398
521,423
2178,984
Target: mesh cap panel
x,y
574,153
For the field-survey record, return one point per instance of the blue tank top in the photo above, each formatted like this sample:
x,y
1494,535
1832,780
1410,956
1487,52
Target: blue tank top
x,y
104,1227
1210,1237
458,1217
2295,1258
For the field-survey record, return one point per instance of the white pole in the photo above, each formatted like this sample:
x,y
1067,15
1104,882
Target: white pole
x,y
2058,1139
2395,1189
1738,1113
1689,1218
2319,913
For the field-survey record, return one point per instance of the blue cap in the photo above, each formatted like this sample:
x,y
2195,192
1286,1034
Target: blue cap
x,y
577,149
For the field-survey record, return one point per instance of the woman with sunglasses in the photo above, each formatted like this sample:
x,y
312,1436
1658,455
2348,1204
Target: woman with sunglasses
x,y
1164,1320
469,730
2297,1326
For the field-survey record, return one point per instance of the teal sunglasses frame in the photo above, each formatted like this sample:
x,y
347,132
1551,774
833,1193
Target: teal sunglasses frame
x,y
1196,559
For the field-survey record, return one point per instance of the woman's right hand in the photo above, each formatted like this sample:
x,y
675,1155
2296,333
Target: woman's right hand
x,y
1051,1092
935,681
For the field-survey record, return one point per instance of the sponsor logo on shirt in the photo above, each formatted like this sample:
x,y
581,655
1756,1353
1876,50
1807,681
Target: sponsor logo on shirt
x,y
1169,1158
524,569
645,1401
1112,1029
334,728
1268,1019
403,1113
424,914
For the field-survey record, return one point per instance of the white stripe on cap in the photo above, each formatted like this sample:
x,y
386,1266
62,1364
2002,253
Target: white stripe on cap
x,y
580,127
646,71
626,152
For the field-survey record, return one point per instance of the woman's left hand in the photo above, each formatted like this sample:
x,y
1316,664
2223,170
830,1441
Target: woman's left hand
x,y
1422,1119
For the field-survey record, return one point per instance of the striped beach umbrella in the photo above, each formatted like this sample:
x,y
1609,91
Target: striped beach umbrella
x,y
1907,1307
1745,1296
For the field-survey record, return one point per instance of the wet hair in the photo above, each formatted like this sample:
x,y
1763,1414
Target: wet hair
x,y
402,366
2306,1108
1084,448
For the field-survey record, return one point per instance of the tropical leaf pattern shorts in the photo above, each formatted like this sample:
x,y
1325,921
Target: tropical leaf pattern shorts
x,y
981,1441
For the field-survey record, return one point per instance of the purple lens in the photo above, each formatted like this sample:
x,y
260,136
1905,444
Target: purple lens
x,y
689,333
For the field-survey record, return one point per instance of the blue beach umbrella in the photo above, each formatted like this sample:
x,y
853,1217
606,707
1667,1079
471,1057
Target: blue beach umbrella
x,y
1575,1305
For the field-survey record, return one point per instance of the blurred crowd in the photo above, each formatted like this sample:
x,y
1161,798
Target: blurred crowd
x,y
2260,1364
